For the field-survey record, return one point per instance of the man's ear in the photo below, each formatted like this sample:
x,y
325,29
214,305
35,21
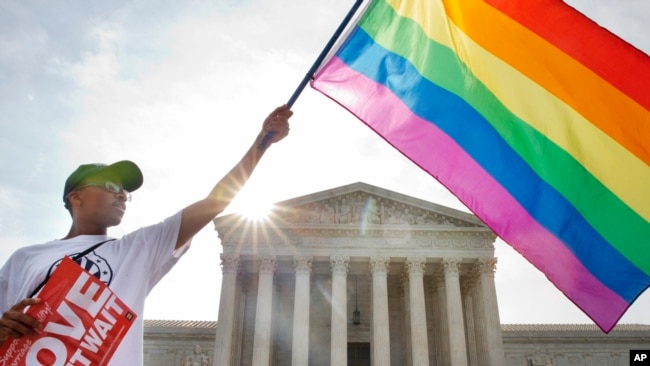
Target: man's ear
x,y
74,200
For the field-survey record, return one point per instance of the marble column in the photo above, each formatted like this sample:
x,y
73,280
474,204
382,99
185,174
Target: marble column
x,y
225,331
264,311
380,329
457,347
419,341
468,306
300,345
478,309
441,311
339,343
493,337
243,293
406,317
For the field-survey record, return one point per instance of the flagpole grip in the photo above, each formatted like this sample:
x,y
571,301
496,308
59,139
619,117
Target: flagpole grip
x,y
312,70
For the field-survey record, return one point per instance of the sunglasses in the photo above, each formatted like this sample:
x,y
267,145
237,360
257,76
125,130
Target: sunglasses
x,y
108,186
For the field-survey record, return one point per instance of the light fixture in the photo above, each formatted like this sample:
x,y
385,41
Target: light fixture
x,y
356,314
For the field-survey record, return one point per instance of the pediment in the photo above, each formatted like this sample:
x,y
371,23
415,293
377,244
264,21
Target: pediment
x,y
363,204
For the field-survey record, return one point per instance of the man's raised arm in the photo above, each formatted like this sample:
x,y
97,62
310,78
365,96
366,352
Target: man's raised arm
x,y
200,213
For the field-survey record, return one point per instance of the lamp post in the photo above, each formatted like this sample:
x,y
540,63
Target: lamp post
x,y
356,314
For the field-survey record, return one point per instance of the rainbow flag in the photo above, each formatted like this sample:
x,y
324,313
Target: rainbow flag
x,y
535,117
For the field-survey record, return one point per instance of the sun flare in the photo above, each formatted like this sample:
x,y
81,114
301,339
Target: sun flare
x,y
256,212
252,207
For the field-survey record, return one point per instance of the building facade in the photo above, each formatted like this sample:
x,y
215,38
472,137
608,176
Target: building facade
x,y
359,275
171,343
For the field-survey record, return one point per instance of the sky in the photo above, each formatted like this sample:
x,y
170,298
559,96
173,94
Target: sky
x,y
181,88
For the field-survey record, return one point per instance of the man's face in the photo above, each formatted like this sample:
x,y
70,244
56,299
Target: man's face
x,y
100,206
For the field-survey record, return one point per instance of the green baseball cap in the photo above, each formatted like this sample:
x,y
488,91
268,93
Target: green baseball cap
x,y
124,172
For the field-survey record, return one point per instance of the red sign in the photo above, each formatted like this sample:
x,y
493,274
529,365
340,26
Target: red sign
x,y
84,322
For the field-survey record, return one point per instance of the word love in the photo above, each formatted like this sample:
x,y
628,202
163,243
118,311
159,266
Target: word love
x,y
85,322
73,327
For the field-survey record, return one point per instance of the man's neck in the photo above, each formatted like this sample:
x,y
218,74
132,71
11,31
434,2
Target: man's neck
x,y
76,230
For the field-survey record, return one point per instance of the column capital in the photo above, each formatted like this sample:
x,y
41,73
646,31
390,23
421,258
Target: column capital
x,y
404,282
468,283
439,276
302,264
379,264
339,265
229,263
451,266
267,264
415,265
486,266
404,277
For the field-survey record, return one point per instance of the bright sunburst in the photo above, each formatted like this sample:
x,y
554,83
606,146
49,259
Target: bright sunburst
x,y
252,206
256,211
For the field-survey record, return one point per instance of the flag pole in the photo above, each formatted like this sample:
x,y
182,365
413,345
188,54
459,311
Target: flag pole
x,y
319,60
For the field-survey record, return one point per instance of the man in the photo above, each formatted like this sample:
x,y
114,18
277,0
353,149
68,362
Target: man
x,y
96,197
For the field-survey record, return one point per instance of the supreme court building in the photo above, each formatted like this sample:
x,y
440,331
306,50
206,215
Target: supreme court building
x,y
359,275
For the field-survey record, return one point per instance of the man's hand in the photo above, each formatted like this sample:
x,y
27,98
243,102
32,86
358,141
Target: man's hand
x,y
15,323
275,128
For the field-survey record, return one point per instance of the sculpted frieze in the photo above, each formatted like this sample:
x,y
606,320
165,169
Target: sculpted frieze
x,y
362,208
310,237
370,216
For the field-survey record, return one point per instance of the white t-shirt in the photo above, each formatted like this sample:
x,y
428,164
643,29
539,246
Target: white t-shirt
x,y
131,266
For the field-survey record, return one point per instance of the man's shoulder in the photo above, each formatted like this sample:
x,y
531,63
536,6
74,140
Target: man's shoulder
x,y
56,245
30,248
